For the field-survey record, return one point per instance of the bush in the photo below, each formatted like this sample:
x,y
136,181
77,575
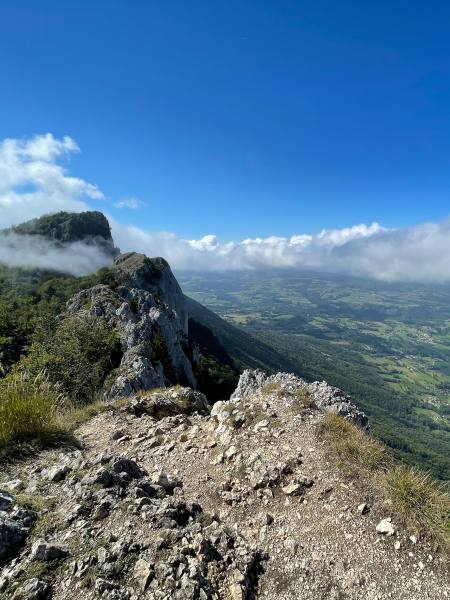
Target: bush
x,y
77,355
419,500
357,452
27,408
217,381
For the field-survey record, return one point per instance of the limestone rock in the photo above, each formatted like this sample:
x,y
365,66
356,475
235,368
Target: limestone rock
x,y
293,489
6,501
12,536
44,551
33,589
326,397
142,573
58,473
176,401
386,527
148,310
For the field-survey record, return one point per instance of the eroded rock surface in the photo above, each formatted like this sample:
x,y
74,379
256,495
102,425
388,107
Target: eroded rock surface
x,y
240,502
148,310
325,396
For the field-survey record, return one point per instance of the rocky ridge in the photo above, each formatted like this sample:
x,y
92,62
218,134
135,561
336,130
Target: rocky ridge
x,y
171,498
145,305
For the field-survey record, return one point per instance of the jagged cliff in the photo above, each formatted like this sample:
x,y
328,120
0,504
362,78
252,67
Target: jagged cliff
x,y
144,304
170,498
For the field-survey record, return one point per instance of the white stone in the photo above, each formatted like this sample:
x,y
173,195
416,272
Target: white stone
x,y
386,527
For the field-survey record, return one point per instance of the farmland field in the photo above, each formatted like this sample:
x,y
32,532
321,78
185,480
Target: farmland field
x,y
386,344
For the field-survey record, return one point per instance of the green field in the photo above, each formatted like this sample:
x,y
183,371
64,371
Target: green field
x,y
386,344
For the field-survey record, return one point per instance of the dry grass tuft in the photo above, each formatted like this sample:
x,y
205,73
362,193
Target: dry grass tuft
x,y
357,452
419,501
74,416
273,389
304,398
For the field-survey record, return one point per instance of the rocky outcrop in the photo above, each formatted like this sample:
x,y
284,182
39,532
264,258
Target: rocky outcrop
x,y
145,306
176,401
167,499
15,524
325,397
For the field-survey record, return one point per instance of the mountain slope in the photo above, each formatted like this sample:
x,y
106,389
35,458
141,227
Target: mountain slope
x,y
245,350
385,344
65,228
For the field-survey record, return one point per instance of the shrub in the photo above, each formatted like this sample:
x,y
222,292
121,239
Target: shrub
x,y
77,355
357,452
419,500
27,408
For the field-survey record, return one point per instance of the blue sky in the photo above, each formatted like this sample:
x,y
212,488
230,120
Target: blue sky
x,y
240,118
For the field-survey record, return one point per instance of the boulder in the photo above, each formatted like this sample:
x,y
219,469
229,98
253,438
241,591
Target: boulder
x,y
44,551
176,401
33,589
12,536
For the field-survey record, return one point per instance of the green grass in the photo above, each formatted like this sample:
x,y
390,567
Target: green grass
x,y
32,410
27,409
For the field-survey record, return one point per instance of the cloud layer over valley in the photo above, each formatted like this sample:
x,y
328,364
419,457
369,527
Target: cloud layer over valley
x,y
33,182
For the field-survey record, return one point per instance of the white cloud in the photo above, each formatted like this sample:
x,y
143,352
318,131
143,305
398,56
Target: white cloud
x,y
33,183
132,203
76,258
417,253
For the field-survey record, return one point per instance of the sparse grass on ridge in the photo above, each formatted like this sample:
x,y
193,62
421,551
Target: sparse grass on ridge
x,y
417,500
74,416
33,411
357,452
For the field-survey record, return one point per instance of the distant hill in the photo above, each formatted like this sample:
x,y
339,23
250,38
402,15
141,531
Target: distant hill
x,y
91,227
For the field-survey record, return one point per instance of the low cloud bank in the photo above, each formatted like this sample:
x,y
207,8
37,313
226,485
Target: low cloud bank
x,y
419,253
35,252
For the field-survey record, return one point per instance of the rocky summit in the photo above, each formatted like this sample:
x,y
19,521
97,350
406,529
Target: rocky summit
x,y
169,497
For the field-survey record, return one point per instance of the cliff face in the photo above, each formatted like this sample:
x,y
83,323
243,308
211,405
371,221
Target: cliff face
x,y
146,307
